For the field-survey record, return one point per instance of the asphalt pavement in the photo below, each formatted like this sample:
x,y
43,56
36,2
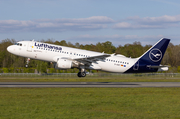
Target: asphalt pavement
x,y
89,84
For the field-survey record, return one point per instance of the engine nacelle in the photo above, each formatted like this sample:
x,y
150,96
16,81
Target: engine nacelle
x,y
63,64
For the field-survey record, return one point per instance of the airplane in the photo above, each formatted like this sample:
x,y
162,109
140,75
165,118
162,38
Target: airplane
x,y
67,58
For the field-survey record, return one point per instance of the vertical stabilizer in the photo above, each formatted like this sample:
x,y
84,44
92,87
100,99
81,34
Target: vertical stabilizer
x,y
150,58
155,54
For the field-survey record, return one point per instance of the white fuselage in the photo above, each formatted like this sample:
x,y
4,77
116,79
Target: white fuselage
x,y
50,53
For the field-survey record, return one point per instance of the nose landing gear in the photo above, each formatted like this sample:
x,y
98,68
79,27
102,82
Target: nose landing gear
x,y
28,60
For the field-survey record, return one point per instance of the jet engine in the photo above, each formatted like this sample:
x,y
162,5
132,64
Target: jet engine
x,y
63,64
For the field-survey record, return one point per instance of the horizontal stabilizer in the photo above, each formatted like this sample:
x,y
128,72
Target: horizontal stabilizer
x,y
160,68
156,67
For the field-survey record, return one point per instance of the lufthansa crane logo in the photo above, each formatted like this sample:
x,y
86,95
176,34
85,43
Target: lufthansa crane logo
x,y
155,55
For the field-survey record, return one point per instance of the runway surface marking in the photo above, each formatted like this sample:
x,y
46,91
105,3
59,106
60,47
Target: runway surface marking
x,y
89,84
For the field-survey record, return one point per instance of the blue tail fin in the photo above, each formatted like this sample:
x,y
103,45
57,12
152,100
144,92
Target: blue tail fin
x,y
151,58
155,54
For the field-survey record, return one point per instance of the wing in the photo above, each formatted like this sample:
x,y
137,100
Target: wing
x,y
93,59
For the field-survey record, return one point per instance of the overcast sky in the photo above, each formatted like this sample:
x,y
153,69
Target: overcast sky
x,y
91,21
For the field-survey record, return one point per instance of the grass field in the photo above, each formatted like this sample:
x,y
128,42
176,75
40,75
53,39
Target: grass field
x,y
92,78
89,103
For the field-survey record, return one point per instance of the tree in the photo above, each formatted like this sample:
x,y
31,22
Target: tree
x,y
63,43
106,47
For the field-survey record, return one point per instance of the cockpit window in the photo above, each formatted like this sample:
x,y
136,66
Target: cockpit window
x,y
19,44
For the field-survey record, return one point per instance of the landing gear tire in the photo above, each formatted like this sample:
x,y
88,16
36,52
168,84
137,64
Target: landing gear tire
x,y
26,65
81,74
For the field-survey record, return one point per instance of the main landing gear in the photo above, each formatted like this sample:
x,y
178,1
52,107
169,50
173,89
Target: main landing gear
x,y
81,73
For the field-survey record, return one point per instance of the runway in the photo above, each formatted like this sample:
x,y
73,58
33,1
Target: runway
x,y
88,84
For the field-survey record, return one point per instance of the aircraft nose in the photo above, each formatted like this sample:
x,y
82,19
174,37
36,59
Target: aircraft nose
x,y
9,49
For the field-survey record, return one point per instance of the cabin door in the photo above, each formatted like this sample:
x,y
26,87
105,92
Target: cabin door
x,y
136,65
30,46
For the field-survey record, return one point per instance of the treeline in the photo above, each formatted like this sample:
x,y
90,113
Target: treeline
x,y
10,63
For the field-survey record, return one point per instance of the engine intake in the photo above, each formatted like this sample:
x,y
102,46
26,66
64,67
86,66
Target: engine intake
x,y
63,64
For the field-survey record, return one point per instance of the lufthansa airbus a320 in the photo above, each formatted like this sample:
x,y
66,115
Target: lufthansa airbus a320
x,y
67,58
